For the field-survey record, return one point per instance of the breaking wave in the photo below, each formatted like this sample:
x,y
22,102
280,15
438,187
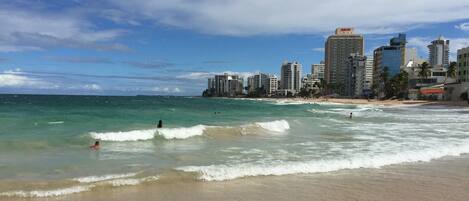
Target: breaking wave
x,y
224,172
91,182
186,132
276,126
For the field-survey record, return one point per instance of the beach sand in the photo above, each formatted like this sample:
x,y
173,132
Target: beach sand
x,y
438,180
370,102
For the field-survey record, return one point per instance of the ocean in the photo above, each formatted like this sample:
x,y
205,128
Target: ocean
x,y
44,140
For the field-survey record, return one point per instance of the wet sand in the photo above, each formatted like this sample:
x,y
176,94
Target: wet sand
x,y
443,179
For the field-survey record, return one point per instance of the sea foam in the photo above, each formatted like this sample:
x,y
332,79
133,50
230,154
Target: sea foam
x,y
122,136
92,179
48,193
276,126
224,172
182,132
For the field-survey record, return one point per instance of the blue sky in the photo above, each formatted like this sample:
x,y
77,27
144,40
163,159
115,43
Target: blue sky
x,y
170,47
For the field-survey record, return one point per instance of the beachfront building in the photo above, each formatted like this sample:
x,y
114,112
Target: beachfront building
x,y
338,48
390,57
456,91
258,84
359,76
438,53
227,85
317,72
272,85
290,78
463,65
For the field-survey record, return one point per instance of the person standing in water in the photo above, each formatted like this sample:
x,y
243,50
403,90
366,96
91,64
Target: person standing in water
x,y
350,115
160,124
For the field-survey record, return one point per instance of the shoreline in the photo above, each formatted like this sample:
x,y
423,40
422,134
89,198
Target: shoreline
x,y
446,178
369,102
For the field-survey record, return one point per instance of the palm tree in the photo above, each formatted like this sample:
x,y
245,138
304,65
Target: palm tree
x,y
451,72
424,71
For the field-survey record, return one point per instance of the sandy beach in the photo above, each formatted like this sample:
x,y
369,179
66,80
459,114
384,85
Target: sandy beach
x,y
370,102
443,179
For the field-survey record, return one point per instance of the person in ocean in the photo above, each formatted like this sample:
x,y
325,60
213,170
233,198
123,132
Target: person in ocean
x,y
160,124
95,146
350,115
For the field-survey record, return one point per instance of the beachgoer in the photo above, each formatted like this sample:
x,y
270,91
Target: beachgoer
x,y
160,124
350,115
95,146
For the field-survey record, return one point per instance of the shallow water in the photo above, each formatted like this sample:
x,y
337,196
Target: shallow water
x,y
44,140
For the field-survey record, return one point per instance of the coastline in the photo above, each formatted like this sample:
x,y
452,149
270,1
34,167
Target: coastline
x,y
368,102
442,179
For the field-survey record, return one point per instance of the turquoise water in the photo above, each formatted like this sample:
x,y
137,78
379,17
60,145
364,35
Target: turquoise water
x,y
45,139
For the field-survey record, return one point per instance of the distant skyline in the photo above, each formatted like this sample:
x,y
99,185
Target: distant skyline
x,y
167,47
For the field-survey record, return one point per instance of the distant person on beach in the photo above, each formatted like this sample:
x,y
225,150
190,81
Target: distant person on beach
x,y
160,124
95,146
350,115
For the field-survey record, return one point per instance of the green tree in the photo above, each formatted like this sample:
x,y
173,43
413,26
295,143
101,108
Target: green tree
x,y
399,85
424,71
451,72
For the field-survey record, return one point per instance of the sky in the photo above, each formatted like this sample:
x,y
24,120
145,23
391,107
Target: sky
x,y
171,47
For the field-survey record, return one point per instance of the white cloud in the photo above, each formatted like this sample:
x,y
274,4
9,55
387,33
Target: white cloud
x,y
463,26
92,87
421,44
247,17
24,30
318,49
165,90
15,79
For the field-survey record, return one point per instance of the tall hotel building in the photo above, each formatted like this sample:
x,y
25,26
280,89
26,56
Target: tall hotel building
x,y
290,78
438,53
337,51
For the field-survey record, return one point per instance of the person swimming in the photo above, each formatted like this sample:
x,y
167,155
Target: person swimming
x,y
160,124
95,146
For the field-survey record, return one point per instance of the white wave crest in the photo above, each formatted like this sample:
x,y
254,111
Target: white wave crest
x,y
131,181
47,193
276,126
135,135
92,179
227,172
121,181
55,122
182,133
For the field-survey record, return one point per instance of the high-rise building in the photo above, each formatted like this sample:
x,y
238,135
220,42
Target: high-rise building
x,y
317,72
439,53
272,85
251,86
360,75
228,85
258,81
463,65
338,49
211,83
391,57
291,76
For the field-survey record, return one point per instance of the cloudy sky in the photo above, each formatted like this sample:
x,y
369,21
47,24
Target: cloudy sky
x,y
161,47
